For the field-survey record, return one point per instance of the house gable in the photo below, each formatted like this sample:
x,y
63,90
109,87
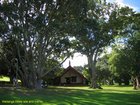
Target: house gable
x,y
72,76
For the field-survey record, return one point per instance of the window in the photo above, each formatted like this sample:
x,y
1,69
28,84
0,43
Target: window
x,y
73,79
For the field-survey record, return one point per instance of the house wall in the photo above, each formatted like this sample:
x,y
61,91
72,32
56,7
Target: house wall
x,y
71,73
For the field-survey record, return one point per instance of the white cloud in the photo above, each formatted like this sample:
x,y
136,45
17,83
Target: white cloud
x,y
120,2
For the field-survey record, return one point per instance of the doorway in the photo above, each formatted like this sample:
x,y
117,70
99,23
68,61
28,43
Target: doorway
x,y
68,80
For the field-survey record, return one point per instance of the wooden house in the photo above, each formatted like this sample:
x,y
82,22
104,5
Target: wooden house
x,y
71,76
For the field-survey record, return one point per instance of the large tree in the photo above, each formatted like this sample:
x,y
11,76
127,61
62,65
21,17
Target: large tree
x,y
127,56
124,60
100,23
41,29
134,53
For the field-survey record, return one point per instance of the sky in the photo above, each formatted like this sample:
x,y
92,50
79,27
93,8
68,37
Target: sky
x,y
81,60
135,4
77,60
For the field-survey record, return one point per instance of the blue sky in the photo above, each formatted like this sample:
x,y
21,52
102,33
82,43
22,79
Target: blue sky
x,y
135,4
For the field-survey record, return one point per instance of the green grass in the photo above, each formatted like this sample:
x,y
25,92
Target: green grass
x,y
4,78
71,96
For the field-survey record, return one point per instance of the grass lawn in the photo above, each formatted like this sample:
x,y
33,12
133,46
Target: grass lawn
x,y
4,78
71,96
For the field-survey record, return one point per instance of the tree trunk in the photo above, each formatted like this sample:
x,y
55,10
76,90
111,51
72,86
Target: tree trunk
x,y
134,83
28,83
38,84
137,83
93,78
92,68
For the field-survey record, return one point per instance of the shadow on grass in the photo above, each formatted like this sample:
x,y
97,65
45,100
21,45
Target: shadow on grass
x,y
22,96
96,97
57,96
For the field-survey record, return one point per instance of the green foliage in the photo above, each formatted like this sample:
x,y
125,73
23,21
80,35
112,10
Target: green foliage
x,y
3,26
124,60
118,61
120,66
51,63
86,73
104,75
134,53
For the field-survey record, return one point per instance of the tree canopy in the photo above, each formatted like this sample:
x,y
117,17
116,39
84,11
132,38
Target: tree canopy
x,y
35,33
39,30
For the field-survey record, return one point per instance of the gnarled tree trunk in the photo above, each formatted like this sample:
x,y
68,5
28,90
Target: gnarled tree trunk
x,y
92,56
